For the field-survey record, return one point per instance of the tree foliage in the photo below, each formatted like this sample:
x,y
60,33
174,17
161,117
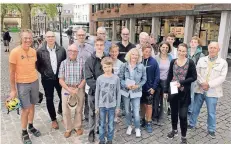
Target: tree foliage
x,y
28,10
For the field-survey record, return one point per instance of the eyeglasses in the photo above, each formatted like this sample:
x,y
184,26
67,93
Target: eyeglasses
x,y
125,34
81,35
72,51
50,36
101,33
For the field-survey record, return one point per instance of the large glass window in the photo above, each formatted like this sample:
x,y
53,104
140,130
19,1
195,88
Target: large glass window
x,y
207,28
142,25
108,27
174,24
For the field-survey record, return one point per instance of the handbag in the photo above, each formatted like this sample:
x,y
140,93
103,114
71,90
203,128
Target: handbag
x,y
40,98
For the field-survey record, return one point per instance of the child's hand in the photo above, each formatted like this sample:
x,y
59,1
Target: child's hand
x,y
117,111
97,111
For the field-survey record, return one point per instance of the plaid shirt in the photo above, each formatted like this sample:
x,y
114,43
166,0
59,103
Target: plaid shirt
x,y
72,71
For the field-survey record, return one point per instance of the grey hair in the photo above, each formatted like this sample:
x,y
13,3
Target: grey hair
x,y
77,30
143,34
102,28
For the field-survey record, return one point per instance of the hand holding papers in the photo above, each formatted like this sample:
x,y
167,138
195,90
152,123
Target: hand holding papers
x,y
129,82
173,87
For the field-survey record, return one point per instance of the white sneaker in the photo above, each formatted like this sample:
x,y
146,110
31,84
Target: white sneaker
x,y
138,133
129,130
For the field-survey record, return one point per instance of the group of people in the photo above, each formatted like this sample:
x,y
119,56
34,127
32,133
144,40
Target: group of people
x,y
144,80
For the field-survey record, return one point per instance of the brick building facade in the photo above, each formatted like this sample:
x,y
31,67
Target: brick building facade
x,y
211,22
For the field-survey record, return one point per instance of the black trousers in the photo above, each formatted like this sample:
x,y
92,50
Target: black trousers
x,y
49,86
157,106
86,108
179,107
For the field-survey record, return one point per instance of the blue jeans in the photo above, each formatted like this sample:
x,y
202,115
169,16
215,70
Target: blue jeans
x,y
103,112
190,108
135,107
211,103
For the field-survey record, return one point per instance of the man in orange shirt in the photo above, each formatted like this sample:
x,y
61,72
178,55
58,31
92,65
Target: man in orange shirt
x,y
23,75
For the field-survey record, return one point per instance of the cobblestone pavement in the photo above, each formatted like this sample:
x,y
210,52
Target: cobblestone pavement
x,y
10,124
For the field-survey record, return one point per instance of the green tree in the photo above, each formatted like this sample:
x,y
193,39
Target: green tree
x,y
5,8
28,10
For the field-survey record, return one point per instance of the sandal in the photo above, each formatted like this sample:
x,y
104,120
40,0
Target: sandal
x,y
26,139
35,132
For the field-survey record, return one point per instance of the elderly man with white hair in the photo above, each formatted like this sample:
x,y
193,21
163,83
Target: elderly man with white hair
x,y
211,73
144,39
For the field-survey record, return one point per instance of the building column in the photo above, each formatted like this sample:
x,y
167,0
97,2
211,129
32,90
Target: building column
x,y
224,33
188,29
166,28
127,23
132,30
113,30
155,27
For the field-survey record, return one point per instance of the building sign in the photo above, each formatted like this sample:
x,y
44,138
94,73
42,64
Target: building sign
x,y
178,31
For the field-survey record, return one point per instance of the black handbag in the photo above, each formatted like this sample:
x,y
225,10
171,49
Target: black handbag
x,y
40,98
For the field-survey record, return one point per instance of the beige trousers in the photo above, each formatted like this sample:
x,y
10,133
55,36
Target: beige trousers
x,y
67,111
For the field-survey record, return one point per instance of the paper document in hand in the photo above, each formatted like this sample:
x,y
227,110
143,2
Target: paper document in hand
x,y
129,82
174,89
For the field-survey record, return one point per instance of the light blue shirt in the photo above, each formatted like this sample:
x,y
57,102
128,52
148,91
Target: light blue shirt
x,y
107,46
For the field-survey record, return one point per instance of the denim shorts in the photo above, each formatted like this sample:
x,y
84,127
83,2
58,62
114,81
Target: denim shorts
x,y
146,98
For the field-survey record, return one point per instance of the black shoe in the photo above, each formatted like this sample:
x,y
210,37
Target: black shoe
x,y
26,139
109,142
97,131
172,134
190,127
212,135
5,50
183,140
34,131
91,136
169,111
142,122
8,51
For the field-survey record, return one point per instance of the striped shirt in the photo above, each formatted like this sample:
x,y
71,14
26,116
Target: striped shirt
x,y
72,71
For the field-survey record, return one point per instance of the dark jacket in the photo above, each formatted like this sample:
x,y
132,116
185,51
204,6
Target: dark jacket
x,y
43,63
153,74
93,70
7,36
191,76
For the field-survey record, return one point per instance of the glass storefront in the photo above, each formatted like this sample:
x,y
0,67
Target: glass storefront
x,y
142,25
206,27
174,24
